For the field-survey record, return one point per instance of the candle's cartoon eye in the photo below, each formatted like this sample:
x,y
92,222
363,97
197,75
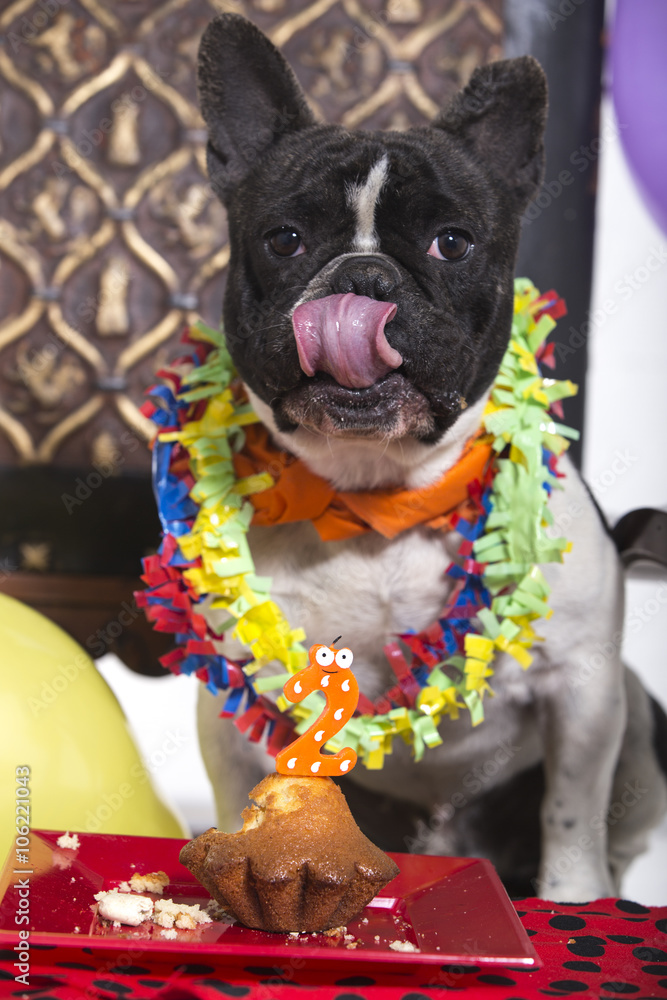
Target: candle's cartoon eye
x,y
324,656
344,658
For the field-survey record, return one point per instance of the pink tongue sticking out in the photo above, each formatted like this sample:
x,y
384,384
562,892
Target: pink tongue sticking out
x,y
343,335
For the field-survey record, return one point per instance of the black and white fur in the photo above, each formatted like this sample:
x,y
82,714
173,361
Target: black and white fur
x,y
562,742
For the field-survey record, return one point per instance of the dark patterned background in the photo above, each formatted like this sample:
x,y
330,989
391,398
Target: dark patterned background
x,y
110,239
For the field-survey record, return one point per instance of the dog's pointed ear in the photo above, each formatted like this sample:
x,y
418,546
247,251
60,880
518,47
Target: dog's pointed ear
x,y
501,116
248,96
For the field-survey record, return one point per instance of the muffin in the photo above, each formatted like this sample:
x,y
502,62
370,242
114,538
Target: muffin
x,y
300,863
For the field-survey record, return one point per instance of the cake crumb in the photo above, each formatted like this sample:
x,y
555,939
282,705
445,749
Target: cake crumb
x,y
68,840
364,920
351,945
293,934
153,882
403,946
335,932
77,930
169,914
377,938
124,887
116,907
170,934
73,878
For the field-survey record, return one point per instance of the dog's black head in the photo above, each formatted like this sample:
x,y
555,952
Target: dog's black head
x,y
370,280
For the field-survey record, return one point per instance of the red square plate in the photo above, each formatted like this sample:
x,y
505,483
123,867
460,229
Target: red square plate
x,y
443,910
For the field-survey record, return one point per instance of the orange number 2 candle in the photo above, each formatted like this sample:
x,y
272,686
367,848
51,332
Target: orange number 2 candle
x,y
328,671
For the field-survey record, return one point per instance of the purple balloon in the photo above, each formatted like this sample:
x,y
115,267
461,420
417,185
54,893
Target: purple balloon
x,y
639,85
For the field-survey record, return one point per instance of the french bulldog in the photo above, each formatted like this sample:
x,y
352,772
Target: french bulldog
x,y
368,307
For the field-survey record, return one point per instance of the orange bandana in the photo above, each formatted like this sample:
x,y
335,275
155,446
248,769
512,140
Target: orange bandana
x,y
300,495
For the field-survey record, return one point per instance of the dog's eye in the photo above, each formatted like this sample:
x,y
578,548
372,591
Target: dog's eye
x,y
286,242
324,656
344,658
450,245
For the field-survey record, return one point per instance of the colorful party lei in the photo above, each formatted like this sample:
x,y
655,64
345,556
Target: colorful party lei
x,y
205,561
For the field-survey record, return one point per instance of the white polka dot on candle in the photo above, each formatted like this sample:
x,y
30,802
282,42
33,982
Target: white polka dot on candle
x,y
344,765
325,681
297,687
315,767
318,735
338,714
291,763
345,686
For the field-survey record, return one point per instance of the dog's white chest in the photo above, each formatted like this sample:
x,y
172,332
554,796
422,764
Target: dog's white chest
x,y
366,589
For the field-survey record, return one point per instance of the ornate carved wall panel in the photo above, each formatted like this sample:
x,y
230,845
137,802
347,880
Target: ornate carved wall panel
x,y
109,238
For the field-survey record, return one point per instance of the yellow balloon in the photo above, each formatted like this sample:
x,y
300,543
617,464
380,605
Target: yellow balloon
x,y
60,719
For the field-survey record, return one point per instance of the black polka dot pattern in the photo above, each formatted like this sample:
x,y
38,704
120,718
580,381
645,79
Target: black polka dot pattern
x,y
175,993
129,970
627,906
191,969
588,946
565,922
355,981
620,989
582,966
649,954
492,979
74,965
224,988
111,986
655,970
569,986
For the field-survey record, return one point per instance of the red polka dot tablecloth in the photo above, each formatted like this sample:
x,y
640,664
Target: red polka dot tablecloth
x,y
605,949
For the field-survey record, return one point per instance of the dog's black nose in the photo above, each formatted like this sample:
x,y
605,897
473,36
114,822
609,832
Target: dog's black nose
x,y
367,275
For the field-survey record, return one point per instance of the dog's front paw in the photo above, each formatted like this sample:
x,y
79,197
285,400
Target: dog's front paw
x,y
578,883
